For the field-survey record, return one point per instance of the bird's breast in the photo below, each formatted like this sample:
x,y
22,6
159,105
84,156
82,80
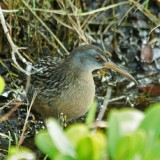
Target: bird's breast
x,y
77,99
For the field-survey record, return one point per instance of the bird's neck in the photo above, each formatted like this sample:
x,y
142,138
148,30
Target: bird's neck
x,y
75,68
73,73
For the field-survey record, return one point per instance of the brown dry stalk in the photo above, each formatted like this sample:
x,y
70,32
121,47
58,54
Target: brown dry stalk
x,y
7,115
26,120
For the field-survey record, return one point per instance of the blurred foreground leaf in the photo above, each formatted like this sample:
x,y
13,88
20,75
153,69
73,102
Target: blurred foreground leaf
x,y
151,122
2,85
91,114
88,145
54,142
134,135
122,123
22,153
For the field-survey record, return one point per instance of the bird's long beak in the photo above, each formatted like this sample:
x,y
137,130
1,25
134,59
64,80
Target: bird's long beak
x,y
114,67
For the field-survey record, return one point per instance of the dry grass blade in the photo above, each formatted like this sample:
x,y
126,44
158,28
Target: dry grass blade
x,y
41,21
146,12
75,21
6,116
61,22
125,15
101,9
5,136
154,29
62,12
26,120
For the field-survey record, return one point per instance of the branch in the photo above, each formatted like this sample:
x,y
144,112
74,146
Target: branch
x,y
105,104
15,49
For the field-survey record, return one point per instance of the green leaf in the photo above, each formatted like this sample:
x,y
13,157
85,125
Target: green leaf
x,y
92,147
152,151
84,149
151,122
2,85
59,139
121,123
76,132
99,142
91,114
131,146
50,1
54,143
45,144
20,153
88,145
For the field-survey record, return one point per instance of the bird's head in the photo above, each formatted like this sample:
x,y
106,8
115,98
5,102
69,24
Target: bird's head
x,y
89,58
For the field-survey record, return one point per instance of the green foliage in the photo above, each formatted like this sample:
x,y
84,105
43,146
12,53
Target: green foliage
x,y
77,141
131,135
20,154
146,3
48,146
50,1
134,135
54,143
2,85
91,114
87,145
122,126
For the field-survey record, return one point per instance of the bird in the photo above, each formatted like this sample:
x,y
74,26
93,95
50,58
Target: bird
x,y
67,86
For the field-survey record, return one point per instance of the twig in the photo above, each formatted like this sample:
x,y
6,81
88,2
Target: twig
x,y
116,99
6,104
15,49
26,120
28,69
105,104
11,104
9,11
5,117
5,136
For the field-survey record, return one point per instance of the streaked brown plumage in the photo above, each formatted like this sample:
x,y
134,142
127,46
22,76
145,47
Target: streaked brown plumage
x,y
67,86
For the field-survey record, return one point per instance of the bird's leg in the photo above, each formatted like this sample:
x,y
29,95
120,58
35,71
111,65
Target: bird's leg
x,y
62,119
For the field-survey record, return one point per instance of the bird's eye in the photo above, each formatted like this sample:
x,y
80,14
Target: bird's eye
x,y
98,58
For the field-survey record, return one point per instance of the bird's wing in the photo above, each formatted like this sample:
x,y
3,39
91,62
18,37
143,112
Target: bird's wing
x,y
45,67
48,61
